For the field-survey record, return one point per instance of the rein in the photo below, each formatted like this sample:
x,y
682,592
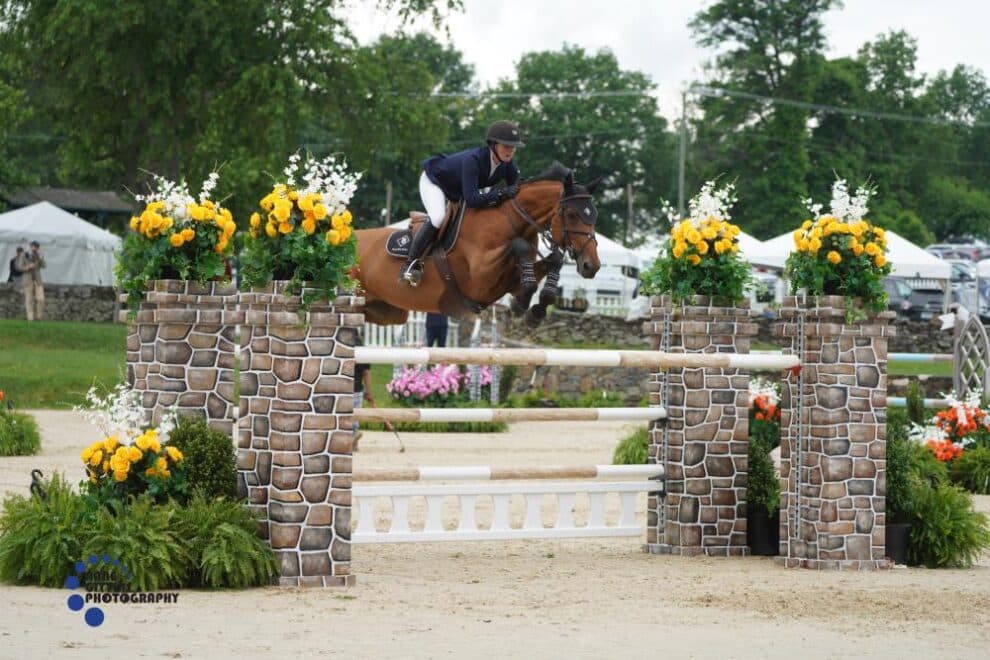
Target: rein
x,y
545,233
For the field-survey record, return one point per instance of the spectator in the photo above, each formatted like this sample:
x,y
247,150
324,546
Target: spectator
x,y
15,273
30,264
436,330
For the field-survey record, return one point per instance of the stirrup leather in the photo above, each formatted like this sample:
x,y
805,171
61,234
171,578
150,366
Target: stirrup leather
x,y
412,272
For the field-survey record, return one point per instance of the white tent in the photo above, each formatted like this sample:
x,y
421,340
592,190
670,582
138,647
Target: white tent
x,y
906,259
75,251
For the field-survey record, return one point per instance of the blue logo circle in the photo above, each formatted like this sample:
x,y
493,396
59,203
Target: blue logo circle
x,y
76,602
94,616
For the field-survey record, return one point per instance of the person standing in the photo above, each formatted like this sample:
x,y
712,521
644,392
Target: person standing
x,y
15,273
30,265
436,330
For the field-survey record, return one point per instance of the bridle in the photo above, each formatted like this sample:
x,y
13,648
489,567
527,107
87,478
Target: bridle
x,y
578,202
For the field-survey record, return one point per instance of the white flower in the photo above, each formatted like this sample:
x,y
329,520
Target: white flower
x,y
760,386
711,202
843,207
121,413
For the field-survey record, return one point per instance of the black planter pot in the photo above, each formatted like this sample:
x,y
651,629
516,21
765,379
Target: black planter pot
x,y
763,531
898,535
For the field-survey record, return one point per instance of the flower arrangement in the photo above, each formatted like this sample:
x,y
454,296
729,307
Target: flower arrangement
x,y
963,425
701,256
840,252
441,384
176,236
132,458
302,232
764,400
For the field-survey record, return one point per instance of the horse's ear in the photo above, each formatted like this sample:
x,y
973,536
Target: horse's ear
x,y
568,182
590,187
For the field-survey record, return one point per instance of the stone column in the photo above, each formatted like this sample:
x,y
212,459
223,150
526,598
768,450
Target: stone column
x,y
834,448
296,435
704,446
180,350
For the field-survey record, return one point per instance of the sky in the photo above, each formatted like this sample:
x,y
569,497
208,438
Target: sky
x,y
652,36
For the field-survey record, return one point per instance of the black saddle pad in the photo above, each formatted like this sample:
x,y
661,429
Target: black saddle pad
x,y
399,241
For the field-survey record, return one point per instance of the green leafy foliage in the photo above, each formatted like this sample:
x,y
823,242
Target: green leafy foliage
x,y
916,403
223,540
209,458
899,467
763,489
18,434
40,539
724,277
633,449
972,470
207,543
945,530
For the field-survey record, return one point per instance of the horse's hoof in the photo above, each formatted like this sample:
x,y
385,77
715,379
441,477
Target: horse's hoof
x,y
535,316
516,309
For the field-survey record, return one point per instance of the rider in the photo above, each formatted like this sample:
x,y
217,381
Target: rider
x,y
460,177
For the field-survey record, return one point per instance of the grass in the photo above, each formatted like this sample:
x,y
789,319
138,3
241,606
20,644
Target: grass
x,y
900,368
51,364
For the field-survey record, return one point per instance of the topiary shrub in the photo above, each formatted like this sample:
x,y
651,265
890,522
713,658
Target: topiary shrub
x,y
633,449
210,460
899,469
18,434
764,487
945,530
916,403
972,470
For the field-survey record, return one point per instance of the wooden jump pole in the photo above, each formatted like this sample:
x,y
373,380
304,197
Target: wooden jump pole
x,y
507,414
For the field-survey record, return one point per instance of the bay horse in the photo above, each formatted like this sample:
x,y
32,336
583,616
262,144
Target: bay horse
x,y
495,253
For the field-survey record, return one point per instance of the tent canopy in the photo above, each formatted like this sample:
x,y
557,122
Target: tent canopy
x,y
75,251
906,259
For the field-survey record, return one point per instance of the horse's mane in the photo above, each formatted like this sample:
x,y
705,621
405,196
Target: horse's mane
x,y
556,172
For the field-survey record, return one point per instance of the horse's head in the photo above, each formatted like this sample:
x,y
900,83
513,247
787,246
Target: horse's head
x,y
573,225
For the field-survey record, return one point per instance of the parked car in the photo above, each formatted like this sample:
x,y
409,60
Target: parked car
x,y
962,271
899,294
926,303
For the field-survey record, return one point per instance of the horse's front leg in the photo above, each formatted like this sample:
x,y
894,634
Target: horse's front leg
x,y
551,289
523,293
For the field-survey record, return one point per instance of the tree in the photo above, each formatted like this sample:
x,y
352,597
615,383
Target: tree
x,y
177,87
766,49
583,110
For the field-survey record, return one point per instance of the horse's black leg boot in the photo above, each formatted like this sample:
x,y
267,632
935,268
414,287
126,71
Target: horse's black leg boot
x,y
410,273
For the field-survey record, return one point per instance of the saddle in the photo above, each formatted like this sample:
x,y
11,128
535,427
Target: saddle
x,y
398,242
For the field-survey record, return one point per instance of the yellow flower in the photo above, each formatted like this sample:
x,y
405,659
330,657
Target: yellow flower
x,y
320,211
134,222
709,232
270,230
120,475
857,249
161,464
720,247
196,212
806,224
142,442
702,247
174,454
694,259
833,257
293,195
150,472
282,211
309,226
255,221
345,233
333,237
694,236
86,454
96,457
816,232
880,261
857,228
154,445
176,240
106,466
802,245
815,244
872,249
348,217
337,222
798,236
134,454
306,203
679,249
110,444
188,234
221,245
285,227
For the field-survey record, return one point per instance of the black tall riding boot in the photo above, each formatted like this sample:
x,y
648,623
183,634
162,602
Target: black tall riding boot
x,y
412,271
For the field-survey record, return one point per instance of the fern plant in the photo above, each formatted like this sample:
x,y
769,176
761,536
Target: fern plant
x,y
946,531
972,470
633,449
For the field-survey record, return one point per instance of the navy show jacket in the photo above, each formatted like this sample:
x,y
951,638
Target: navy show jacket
x,y
461,175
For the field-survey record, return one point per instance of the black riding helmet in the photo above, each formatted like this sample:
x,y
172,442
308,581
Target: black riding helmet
x,y
504,132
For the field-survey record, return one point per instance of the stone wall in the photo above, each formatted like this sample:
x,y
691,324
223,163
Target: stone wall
x,y
63,302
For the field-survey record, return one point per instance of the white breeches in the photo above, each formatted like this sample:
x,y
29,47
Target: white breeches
x,y
434,201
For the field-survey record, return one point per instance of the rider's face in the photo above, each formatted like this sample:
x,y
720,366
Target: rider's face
x,y
504,152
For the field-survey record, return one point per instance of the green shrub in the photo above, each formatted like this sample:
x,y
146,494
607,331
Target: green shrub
x,y
223,541
142,536
209,543
600,399
506,380
972,470
764,487
40,539
945,529
916,403
210,460
926,467
18,434
899,470
633,449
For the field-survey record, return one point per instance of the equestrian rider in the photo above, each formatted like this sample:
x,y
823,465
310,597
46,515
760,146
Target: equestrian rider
x,y
460,177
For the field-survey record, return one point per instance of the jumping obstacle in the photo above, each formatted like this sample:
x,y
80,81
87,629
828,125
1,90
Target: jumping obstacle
x,y
469,496
508,414
572,357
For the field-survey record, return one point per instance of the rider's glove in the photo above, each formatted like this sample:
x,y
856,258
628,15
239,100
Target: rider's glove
x,y
511,191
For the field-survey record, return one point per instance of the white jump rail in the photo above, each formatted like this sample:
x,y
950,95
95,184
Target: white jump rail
x,y
467,528
496,473
570,357
508,414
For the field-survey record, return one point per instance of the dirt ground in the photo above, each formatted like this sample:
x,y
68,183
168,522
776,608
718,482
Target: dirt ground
x,y
527,599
